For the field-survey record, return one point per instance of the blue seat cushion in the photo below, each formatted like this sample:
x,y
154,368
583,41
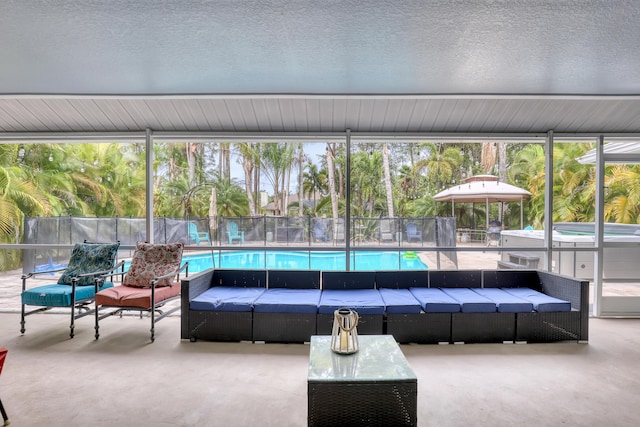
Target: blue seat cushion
x,y
433,300
223,298
363,301
400,301
471,302
280,300
541,302
505,302
59,295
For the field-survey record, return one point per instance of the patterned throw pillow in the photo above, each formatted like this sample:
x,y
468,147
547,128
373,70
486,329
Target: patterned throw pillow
x,y
150,261
89,258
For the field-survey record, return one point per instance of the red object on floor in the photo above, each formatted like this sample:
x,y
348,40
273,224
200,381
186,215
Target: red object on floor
x,y
3,355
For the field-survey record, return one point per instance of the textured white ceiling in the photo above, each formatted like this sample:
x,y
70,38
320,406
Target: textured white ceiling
x,y
313,47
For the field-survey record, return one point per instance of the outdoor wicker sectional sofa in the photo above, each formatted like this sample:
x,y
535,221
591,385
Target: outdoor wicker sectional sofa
x,y
435,306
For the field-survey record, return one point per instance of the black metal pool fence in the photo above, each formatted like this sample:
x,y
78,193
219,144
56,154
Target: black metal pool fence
x,y
268,231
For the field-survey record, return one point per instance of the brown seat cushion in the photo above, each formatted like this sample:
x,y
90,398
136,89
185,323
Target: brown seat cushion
x,y
129,296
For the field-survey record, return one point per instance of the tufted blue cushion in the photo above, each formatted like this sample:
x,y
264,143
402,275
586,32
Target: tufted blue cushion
x,y
471,302
506,302
89,258
280,300
59,295
222,298
364,301
541,302
400,301
433,300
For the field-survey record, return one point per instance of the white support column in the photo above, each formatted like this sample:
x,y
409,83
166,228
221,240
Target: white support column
x,y
598,265
149,178
548,200
347,220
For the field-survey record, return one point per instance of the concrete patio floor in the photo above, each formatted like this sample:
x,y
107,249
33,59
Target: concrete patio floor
x,y
123,379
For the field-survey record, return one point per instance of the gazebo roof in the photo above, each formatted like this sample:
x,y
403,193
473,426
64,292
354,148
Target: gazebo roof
x,y
482,188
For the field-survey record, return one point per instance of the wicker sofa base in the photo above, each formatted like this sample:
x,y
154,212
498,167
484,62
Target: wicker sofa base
x,y
483,327
283,327
548,327
368,324
220,325
423,328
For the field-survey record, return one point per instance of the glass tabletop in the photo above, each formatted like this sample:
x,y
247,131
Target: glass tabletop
x,y
379,359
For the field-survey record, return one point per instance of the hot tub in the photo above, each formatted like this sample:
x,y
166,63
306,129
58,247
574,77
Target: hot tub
x,y
619,262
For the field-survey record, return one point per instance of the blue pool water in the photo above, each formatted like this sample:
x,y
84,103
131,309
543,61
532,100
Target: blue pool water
x,y
293,260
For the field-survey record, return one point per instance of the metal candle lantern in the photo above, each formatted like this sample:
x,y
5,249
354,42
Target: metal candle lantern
x,y
344,337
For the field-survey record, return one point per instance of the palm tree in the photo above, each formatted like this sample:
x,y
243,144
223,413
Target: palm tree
x,y
441,168
573,186
231,200
331,153
276,159
249,158
19,197
527,171
367,181
314,181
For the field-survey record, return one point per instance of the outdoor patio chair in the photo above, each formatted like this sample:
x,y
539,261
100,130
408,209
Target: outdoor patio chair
x,y
413,232
233,233
152,280
76,287
386,230
339,230
198,236
320,231
3,355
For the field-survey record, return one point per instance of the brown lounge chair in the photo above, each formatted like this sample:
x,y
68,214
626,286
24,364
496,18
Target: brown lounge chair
x,y
152,280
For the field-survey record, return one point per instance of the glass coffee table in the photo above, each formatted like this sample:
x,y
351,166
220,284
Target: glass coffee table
x,y
373,387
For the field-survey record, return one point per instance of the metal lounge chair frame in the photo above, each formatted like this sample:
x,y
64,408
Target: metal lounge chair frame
x,y
154,308
79,307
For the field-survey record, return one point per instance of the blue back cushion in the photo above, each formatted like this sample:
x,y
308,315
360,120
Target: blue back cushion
x,y
400,301
541,302
89,258
433,300
363,301
505,302
222,298
471,302
348,280
240,278
402,279
294,279
511,278
279,300
455,278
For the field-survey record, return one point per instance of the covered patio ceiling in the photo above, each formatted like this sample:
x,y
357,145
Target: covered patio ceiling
x,y
478,66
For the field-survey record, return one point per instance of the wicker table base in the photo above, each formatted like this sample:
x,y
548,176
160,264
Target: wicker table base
x,y
373,387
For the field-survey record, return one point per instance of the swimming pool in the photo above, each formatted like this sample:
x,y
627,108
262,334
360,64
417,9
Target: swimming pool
x,y
304,260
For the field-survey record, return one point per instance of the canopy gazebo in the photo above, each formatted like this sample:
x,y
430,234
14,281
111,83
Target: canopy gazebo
x,y
483,188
